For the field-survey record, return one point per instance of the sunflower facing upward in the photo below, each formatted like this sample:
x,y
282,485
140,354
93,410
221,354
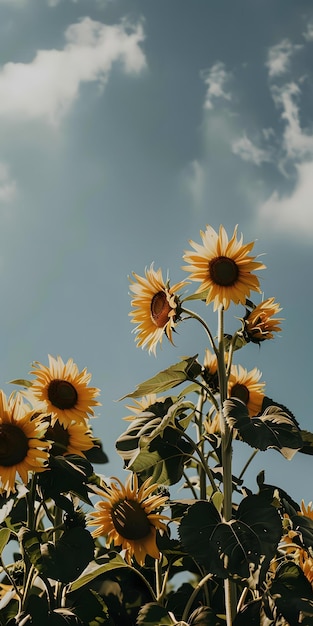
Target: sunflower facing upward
x,y
156,308
22,449
128,517
223,267
64,391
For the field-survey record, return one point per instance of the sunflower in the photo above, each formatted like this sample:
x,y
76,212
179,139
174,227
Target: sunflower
x,y
71,439
223,267
22,449
64,391
128,517
259,324
245,386
306,511
142,405
156,308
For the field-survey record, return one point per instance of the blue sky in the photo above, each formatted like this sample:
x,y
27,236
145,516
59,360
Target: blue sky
x,y
125,128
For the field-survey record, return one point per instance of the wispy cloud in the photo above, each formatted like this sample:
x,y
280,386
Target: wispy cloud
x,y
8,187
215,79
279,56
248,151
292,213
308,33
297,142
47,87
194,180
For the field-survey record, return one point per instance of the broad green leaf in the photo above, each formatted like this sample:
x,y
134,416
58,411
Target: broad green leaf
x,y
152,614
96,568
4,538
163,459
273,429
187,369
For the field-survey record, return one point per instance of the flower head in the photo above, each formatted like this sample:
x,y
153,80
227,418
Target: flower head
x,y
246,387
156,308
223,267
75,438
64,391
22,449
129,517
142,406
260,324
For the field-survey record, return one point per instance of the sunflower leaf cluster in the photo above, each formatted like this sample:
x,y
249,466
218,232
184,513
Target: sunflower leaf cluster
x,y
79,548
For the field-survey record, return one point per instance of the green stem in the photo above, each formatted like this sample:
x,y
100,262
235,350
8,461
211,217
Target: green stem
x,y
202,459
229,587
203,323
158,578
194,594
199,426
245,467
190,485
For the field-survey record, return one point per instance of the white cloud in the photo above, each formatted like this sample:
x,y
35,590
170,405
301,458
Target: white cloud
x,y
297,143
248,151
7,184
195,182
279,56
215,80
293,214
47,87
308,34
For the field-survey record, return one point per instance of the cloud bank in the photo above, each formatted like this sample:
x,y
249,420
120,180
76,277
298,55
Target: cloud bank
x,y
47,87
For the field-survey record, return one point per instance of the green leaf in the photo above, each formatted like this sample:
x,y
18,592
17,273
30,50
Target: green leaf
x,y
68,474
307,439
96,568
90,608
96,454
163,459
152,613
202,295
187,369
4,538
21,381
273,429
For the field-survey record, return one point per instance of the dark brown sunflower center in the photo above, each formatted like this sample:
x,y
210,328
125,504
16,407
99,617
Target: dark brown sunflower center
x,y
62,394
223,271
60,438
159,309
130,520
13,445
241,392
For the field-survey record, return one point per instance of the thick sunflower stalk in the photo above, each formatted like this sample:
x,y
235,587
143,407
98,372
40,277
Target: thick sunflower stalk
x,y
103,551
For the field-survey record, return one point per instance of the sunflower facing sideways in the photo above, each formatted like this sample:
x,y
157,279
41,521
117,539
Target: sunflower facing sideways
x,y
75,438
260,324
223,267
156,308
246,387
22,448
64,391
129,517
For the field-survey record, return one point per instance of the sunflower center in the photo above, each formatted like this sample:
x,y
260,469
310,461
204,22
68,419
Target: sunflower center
x,y
60,438
13,445
130,520
241,392
223,271
62,394
159,309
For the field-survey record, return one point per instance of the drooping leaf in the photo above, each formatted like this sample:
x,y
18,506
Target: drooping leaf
x,y
164,458
187,369
307,439
4,538
273,429
68,474
90,607
96,454
292,593
263,518
152,613
96,568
